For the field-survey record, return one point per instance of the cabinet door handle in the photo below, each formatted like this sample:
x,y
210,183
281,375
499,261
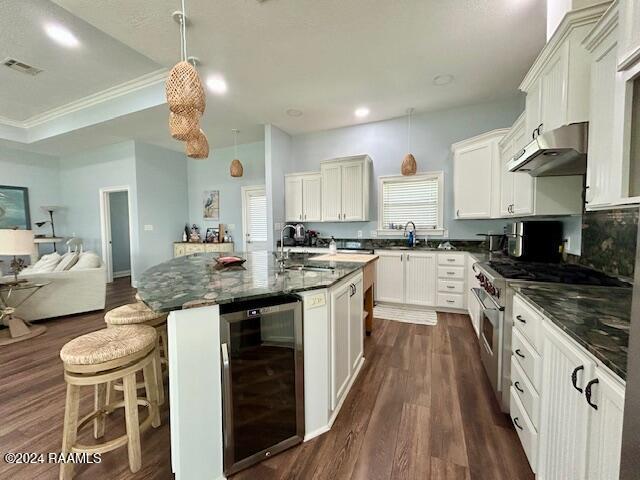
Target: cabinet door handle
x,y
587,393
517,385
450,287
305,216
450,301
519,353
451,259
574,377
519,317
407,257
515,422
451,273
457,213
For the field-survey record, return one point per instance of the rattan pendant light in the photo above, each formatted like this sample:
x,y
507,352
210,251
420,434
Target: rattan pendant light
x,y
198,146
236,168
184,127
409,166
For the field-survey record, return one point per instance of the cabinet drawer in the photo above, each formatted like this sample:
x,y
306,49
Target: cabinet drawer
x,y
526,431
525,391
528,322
451,259
527,358
450,286
451,300
451,272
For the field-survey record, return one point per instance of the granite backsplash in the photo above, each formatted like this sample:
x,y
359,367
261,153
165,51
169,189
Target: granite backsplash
x,y
609,241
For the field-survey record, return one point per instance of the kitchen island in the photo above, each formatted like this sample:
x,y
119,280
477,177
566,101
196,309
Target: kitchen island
x,y
193,288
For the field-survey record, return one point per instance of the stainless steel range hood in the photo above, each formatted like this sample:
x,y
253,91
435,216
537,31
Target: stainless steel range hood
x,y
562,151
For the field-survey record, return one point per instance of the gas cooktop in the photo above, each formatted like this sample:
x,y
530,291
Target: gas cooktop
x,y
554,273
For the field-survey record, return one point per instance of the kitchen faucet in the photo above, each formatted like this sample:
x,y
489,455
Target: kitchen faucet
x,y
413,241
282,259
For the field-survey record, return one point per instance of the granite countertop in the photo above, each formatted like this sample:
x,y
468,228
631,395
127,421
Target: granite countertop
x,y
478,246
598,318
195,281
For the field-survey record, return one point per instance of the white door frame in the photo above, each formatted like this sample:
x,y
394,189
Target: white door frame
x,y
105,228
243,192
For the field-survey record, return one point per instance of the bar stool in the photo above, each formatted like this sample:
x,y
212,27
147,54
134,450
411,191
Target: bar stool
x,y
139,314
95,359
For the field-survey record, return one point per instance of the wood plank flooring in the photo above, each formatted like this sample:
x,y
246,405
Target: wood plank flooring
x,y
422,408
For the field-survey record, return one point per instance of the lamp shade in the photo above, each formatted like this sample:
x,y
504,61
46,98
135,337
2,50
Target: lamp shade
x,y
16,242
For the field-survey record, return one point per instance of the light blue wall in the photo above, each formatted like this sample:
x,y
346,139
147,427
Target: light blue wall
x,y
278,161
213,174
161,180
120,240
386,142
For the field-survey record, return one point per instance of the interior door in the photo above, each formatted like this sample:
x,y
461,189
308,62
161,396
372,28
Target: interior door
x,y
352,194
312,198
255,215
331,192
293,199
420,278
390,277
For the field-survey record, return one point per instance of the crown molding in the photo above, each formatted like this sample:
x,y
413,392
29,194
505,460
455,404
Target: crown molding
x,y
112,93
497,133
603,28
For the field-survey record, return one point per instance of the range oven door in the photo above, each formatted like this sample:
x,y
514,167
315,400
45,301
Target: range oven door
x,y
491,322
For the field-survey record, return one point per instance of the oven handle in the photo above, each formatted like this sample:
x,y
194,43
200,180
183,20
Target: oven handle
x,y
227,407
477,292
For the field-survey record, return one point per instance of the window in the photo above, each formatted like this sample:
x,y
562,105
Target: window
x,y
417,199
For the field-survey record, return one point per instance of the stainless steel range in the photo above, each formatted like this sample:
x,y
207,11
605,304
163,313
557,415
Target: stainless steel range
x,y
496,300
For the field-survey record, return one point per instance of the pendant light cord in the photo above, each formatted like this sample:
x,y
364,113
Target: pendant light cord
x,y
183,33
409,130
235,143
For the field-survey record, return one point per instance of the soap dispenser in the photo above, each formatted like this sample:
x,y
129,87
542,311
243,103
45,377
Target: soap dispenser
x,y
333,249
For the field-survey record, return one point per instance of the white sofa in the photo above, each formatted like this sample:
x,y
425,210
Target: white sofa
x,y
71,291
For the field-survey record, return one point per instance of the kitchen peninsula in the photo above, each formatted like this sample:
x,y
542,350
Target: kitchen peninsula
x,y
194,290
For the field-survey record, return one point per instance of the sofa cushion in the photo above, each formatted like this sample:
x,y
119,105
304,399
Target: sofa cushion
x,y
46,264
67,261
87,260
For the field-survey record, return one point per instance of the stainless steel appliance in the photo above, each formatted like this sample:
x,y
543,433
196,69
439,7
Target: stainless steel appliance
x,y
562,151
262,379
299,233
496,300
495,241
539,241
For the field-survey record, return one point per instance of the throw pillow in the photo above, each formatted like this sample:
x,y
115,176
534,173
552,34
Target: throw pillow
x,y
87,260
68,260
47,263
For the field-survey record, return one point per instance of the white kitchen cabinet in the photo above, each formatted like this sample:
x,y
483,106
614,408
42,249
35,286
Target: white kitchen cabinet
x,y
390,276
420,278
533,110
629,53
476,176
565,413
340,360
516,189
605,432
356,325
345,189
303,194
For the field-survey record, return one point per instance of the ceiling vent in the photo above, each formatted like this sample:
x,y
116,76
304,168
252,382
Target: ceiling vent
x,y
21,67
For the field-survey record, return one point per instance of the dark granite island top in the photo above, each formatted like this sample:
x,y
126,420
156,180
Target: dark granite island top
x,y
598,318
195,280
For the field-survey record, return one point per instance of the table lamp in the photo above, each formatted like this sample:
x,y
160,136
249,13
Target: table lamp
x,y
15,243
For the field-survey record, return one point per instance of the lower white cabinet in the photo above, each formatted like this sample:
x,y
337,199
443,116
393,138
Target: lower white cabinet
x,y
406,277
390,276
346,335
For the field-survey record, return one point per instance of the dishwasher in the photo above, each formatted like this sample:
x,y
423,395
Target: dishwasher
x,y
262,379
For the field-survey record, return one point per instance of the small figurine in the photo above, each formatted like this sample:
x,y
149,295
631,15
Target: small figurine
x,y
194,237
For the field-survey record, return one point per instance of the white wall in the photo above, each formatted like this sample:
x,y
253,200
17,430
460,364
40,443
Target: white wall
x,y
278,161
213,174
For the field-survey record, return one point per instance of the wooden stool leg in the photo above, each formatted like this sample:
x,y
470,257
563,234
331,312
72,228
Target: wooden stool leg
x,y
99,402
131,418
157,367
70,428
164,338
151,387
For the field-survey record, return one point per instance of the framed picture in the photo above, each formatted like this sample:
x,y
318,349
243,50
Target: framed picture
x,y
14,208
212,235
211,205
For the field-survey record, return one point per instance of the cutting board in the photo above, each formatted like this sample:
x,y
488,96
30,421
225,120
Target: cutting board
x,y
346,257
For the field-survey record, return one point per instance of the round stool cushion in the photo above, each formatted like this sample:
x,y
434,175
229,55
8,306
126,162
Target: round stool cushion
x,y
108,344
131,314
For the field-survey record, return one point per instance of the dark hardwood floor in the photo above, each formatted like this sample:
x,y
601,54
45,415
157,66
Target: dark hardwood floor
x,y
422,408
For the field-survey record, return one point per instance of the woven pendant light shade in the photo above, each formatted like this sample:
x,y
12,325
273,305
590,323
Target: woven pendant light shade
x,y
409,165
184,89
184,127
198,147
236,168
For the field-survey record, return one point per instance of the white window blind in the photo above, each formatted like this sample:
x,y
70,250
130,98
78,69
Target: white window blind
x,y
417,199
258,218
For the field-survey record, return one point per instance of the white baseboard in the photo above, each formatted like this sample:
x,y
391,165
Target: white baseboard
x,y
122,273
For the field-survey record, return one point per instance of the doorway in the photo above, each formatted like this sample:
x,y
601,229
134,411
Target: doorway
x,y
254,219
116,232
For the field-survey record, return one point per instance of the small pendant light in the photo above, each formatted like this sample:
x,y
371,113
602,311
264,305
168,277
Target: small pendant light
x,y
409,166
236,169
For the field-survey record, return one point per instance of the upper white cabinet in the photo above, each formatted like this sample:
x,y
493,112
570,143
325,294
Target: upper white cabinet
x,y
303,195
629,52
557,85
516,189
345,189
476,176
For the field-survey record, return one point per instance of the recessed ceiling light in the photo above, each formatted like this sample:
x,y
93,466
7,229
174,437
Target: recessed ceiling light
x,y
217,84
294,112
362,112
441,80
61,35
